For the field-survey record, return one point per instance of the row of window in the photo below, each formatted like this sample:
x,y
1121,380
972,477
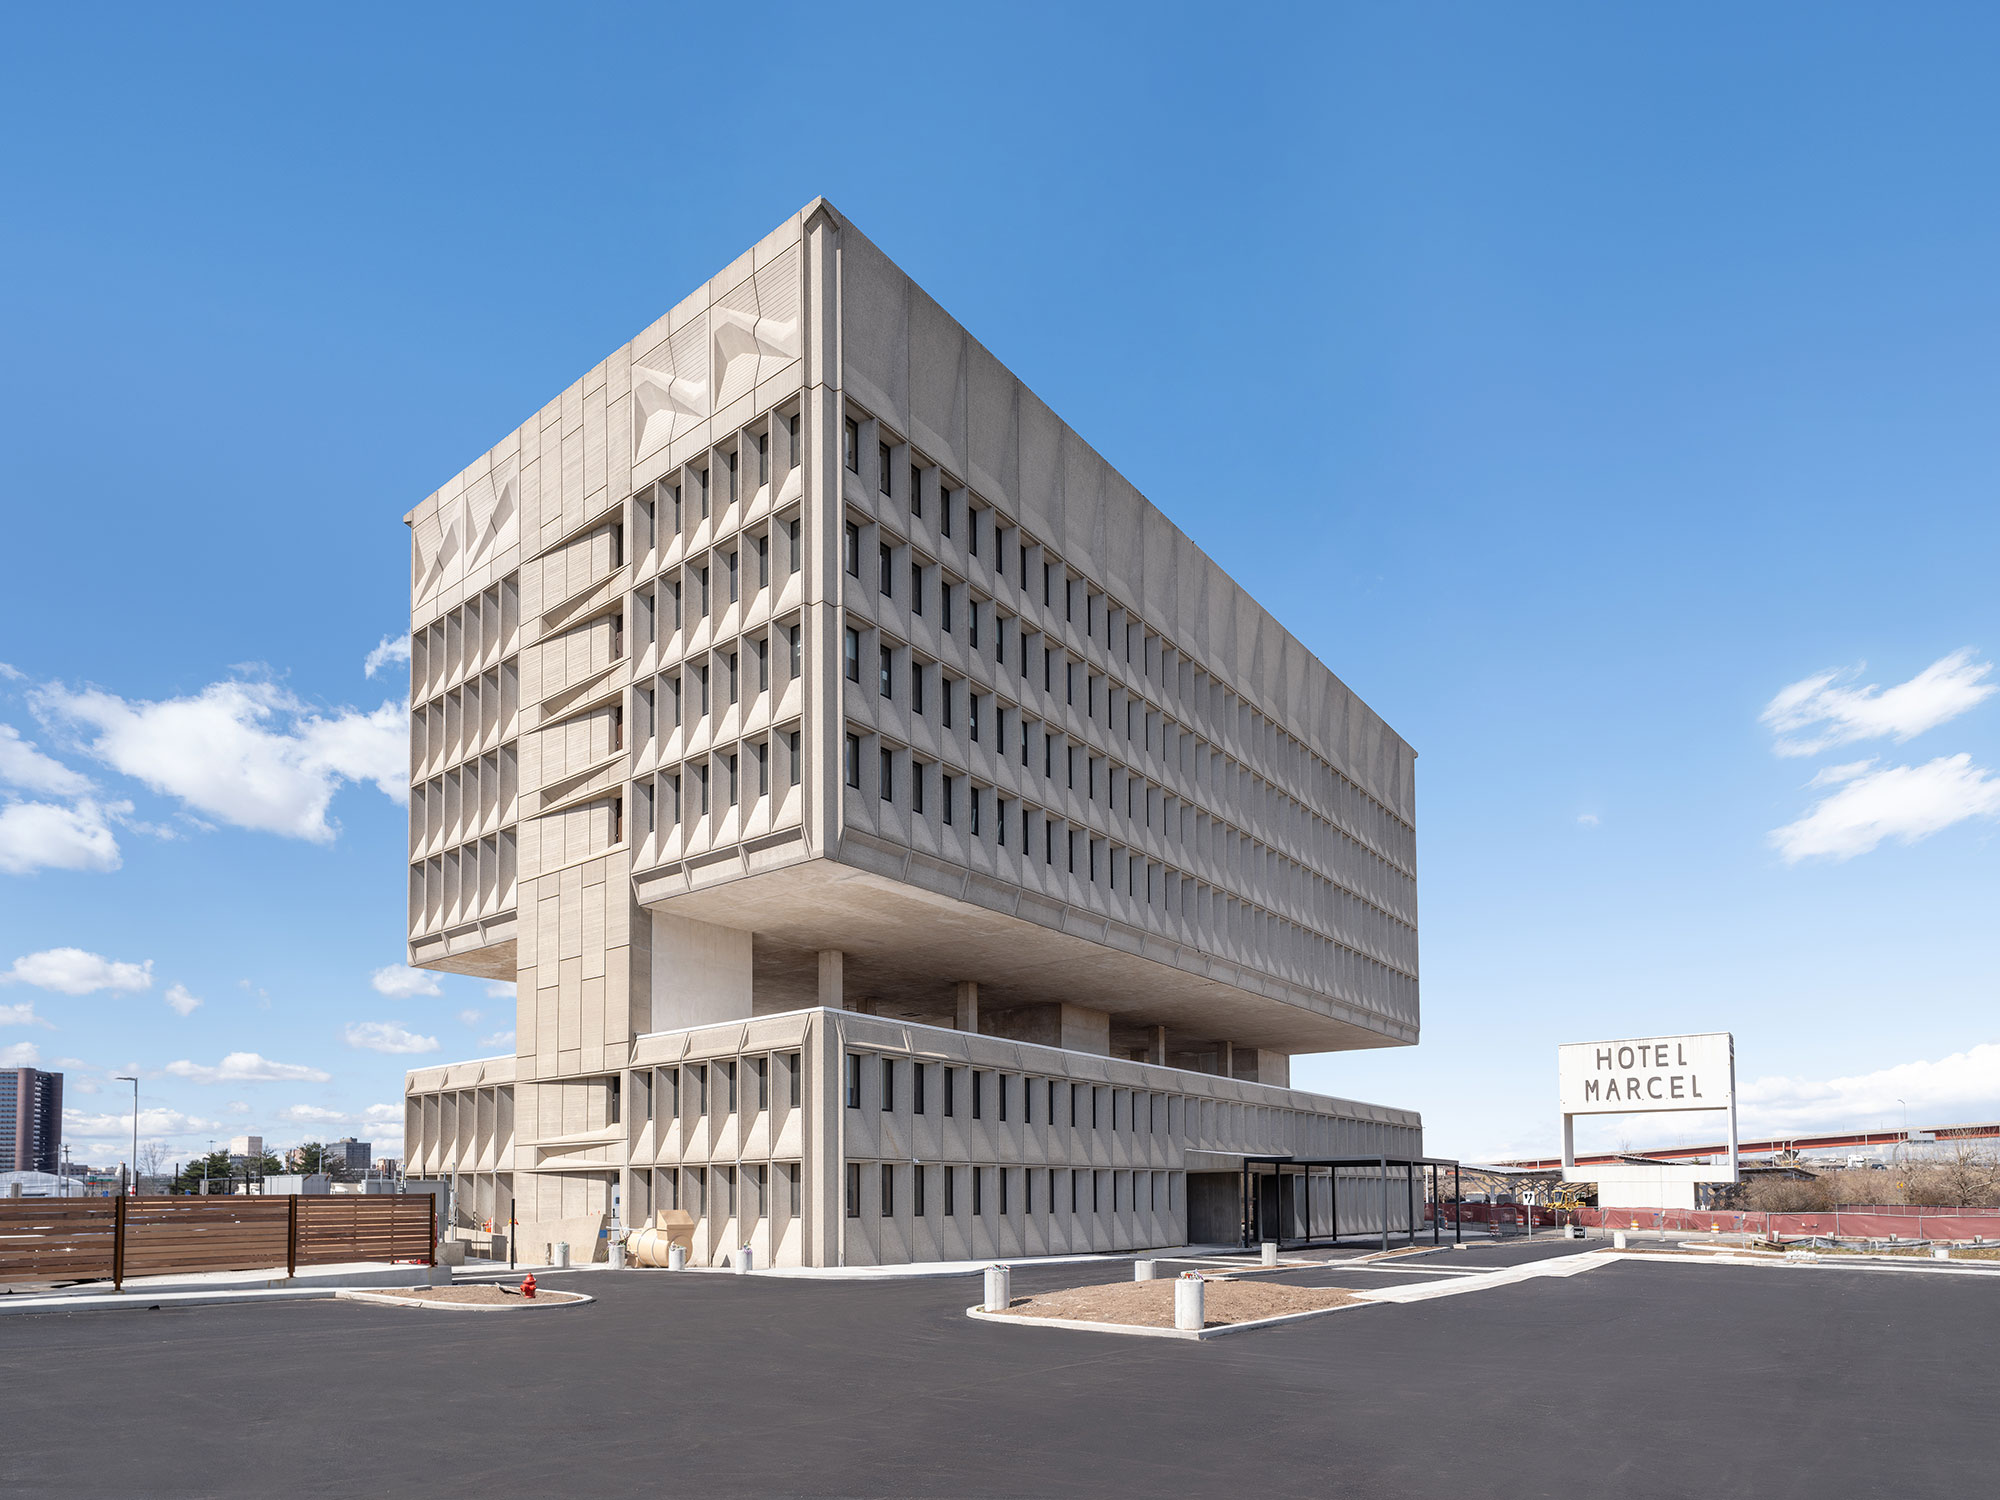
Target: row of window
x,y
1089,1190
701,587
677,502
724,778
934,790
1179,677
1084,1103
728,1191
721,678
665,1089
1102,701
465,638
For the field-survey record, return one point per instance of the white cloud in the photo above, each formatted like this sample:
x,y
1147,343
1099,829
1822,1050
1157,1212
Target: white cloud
x,y
1901,802
469,1017
246,1067
152,1122
390,650
499,1039
237,1107
20,1055
183,1003
24,1015
1819,712
71,971
500,989
400,982
1963,1086
43,836
22,765
246,752
1588,820
312,1114
387,1036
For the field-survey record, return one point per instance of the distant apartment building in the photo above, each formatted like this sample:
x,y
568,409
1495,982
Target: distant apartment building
x,y
250,1147
905,842
350,1154
30,1120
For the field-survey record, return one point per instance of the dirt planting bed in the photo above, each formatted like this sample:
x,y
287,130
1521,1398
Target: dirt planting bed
x,y
1150,1304
475,1295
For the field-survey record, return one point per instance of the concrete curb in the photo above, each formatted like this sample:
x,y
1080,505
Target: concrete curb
x,y
1142,1331
554,1298
155,1301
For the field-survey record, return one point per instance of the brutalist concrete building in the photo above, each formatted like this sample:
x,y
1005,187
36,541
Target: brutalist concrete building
x,y
906,843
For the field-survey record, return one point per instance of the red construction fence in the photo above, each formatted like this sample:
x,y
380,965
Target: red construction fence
x,y
1863,1221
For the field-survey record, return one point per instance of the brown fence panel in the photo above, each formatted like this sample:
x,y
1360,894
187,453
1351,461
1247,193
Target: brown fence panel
x,y
56,1239
361,1226
175,1236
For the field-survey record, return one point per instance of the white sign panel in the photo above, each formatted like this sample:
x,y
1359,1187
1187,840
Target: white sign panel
x,y
1643,1074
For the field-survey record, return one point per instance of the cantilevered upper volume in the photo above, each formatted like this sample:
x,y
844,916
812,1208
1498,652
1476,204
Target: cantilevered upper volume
x,y
858,675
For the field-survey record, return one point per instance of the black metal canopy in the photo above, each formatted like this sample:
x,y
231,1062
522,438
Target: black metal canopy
x,y
1265,1217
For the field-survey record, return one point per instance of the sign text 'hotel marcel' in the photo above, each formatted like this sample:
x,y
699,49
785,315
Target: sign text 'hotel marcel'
x,y
1648,1073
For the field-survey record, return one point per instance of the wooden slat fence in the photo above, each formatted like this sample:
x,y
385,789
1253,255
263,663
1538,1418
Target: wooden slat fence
x,y
81,1239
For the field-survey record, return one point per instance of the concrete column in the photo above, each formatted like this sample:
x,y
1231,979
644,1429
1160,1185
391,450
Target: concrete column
x,y
832,978
1160,1046
1225,1053
968,1005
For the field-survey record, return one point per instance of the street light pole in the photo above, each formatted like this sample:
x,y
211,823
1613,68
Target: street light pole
x,y
127,1078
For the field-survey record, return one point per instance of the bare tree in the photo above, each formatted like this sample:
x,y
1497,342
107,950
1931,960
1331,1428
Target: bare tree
x,y
152,1156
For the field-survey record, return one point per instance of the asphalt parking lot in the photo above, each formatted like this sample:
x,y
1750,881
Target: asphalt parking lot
x,y
1632,1380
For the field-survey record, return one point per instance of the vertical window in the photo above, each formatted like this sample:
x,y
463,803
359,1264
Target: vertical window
x,y
853,549
888,775
853,654
1001,1081
763,458
917,1175
944,509
950,1208
792,536
611,1100
972,716
917,769
763,562
763,1067
1001,1174
792,431
888,1084
700,1089
792,753
853,1170
972,804
645,791
884,575
973,616
617,728
729,459
888,1190
882,467
734,588
945,787
917,1071
729,1087
764,769
944,605
916,496
617,546
854,1080
792,1063
792,641
764,664
733,695
792,1170
917,687
977,1173
618,637
853,762
701,577
975,1094
886,659
916,587
950,1082
944,698
853,456
617,820
703,477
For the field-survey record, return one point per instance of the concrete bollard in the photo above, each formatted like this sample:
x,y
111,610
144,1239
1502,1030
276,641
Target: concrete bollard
x,y
1270,1250
1190,1299
559,1254
618,1253
1617,1239
1940,1252
1145,1270
677,1257
746,1260
999,1288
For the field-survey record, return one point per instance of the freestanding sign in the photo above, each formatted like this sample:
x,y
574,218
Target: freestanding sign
x,y
1647,1075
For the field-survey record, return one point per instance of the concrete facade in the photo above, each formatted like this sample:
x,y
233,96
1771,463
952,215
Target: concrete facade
x,y
797,671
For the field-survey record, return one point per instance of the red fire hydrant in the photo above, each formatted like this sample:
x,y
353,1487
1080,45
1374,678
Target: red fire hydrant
x,y
528,1285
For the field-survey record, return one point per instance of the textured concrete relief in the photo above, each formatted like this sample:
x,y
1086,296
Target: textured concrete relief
x,y
748,334
482,522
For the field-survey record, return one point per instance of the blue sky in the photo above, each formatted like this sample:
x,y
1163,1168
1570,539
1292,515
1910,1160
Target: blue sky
x,y
1574,382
